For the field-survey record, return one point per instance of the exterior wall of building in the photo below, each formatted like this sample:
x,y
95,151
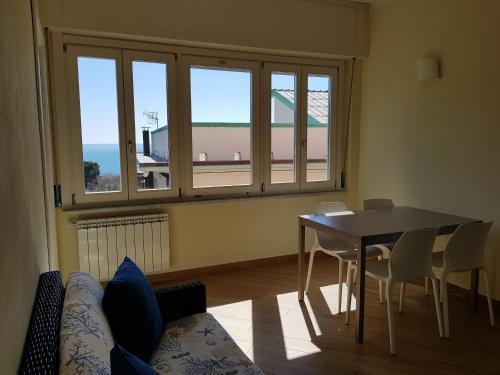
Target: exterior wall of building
x,y
159,144
281,113
220,143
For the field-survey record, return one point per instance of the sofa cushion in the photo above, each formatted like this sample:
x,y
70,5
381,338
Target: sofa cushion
x,y
199,345
86,338
124,363
132,310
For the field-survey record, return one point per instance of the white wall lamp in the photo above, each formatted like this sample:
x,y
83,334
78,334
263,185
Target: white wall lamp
x,y
428,68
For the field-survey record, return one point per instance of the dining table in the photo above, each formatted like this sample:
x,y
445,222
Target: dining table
x,y
371,227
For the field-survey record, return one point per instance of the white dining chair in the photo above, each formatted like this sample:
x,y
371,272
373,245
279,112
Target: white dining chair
x,y
464,252
410,259
344,251
374,204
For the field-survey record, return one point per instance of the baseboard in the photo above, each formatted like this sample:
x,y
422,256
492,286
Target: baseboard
x,y
194,273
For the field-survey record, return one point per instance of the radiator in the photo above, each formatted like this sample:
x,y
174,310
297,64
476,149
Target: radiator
x,y
104,243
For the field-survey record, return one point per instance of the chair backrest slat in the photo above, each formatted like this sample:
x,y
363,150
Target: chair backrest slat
x,y
465,250
411,257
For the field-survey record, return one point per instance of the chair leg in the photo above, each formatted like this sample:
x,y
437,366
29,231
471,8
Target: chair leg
x,y
309,271
402,296
341,281
488,297
438,306
380,286
444,298
350,268
426,286
390,317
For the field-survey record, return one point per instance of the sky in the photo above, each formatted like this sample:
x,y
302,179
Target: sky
x,y
216,96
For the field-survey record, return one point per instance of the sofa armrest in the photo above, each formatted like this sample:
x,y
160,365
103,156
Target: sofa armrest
x,y
181,301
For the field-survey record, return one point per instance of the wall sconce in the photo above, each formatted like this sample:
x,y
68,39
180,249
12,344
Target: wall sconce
x,y
428,68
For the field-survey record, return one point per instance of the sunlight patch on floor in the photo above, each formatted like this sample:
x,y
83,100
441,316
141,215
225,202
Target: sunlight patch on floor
x,y
330,294
292,320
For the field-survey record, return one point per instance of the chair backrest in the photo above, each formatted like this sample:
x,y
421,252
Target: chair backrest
x,y
411,257
370,204
465,250
326,240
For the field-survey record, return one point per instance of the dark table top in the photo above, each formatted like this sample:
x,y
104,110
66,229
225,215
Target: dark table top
x,y
384,225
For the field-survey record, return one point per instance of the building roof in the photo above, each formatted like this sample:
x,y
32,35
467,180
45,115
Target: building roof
x,y
317,103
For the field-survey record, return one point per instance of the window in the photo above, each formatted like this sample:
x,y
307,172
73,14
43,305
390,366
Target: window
x,y
235,127
299,112
151,125
221,113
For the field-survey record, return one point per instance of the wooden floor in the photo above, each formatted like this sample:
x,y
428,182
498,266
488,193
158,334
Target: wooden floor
x,y
259,309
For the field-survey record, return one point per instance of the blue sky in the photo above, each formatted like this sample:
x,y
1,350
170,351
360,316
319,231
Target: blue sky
x,y
216,96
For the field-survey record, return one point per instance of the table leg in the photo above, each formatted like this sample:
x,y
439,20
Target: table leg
x,y
301,260
474,288
360,296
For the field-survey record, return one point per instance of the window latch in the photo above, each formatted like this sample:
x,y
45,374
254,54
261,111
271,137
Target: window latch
x,y
130,150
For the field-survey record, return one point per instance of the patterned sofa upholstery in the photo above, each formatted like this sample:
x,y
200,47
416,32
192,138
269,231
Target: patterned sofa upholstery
x,y
193,342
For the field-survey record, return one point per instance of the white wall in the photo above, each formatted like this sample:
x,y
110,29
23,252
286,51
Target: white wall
x,y
23,239
435,144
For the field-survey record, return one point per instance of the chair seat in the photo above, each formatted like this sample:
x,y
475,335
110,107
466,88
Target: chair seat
x,y
378,269
349,253
438,260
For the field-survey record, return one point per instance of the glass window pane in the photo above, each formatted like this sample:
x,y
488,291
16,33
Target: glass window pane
x,y
151,125
283,127
318,127
221,123
99,123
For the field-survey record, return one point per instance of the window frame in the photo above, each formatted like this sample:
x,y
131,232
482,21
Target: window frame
x,y
268,70
77,171
129,56
334,141
65,129
186,62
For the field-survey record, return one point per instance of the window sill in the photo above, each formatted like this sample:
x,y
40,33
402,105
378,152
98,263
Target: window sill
x,y
143,207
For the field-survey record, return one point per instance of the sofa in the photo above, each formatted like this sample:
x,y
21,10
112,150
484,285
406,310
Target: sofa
x,y
69,332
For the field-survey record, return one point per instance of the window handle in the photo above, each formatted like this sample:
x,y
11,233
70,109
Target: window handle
x,y
304,143
130,150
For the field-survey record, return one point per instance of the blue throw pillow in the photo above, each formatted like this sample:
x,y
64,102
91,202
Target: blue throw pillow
x,y
132,310
124,363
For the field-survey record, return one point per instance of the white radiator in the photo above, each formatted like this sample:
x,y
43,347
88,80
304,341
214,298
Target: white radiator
x,y
104,243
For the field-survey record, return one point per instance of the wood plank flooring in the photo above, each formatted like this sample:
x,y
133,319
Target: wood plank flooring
x,y
259,308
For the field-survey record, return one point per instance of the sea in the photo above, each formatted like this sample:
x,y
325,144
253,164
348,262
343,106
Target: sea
x,y
106,155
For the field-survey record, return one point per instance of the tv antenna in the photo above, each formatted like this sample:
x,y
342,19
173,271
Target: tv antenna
x,y
151,117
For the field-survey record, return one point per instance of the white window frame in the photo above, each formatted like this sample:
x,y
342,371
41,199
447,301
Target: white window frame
x,y
333,130
65,107
77,172
269,69
169,59
187,61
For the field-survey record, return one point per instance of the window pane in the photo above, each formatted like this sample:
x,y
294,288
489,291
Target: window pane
x,y
99,123
151,125
221,126
283,121
318,127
